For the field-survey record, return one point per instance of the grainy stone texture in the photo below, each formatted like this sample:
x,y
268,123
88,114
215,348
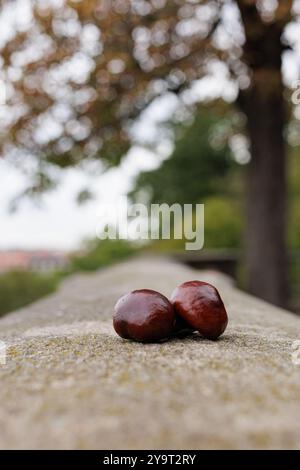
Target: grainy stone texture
x,y
70,382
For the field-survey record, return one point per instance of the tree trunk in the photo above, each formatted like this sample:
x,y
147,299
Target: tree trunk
x,y
263,105
266,194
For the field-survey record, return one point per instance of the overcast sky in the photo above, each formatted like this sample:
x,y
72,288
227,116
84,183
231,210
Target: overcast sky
x,y
59,222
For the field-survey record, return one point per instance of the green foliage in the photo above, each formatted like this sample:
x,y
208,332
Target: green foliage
x,y
294,199
197,167
294,278
99,253
20,288
294,224
223,223
223,227
201,169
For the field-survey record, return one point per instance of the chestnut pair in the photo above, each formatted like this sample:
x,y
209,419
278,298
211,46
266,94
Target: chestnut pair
x,y
148,316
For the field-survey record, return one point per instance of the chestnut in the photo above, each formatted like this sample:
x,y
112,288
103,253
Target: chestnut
x,y
201,306
144,315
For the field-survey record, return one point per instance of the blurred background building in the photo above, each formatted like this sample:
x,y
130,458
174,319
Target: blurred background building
x,y
38,260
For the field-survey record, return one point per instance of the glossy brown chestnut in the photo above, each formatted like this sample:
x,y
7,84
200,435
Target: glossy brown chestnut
x,y
144,315
201,306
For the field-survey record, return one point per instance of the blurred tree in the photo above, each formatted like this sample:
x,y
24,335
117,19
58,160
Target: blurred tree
x,y
79,72
198,166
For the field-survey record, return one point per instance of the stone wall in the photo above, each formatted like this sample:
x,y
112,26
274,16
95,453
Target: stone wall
x,y
70,382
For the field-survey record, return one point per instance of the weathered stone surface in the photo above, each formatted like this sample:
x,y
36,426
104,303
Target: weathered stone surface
x,y
70,382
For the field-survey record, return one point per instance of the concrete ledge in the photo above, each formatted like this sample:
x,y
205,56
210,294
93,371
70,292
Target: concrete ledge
x,y
70,382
